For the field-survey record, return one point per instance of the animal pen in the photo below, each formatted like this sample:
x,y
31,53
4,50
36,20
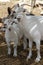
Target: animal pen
x,y
33,7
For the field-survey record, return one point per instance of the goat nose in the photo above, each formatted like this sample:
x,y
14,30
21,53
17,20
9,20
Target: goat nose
x,y
9,29
18,19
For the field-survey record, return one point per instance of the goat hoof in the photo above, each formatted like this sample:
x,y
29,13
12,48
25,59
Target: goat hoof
x,y
28,57
14,55
9,55
37,60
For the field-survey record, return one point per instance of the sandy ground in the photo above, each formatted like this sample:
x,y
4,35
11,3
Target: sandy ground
x,y
21,58
4,6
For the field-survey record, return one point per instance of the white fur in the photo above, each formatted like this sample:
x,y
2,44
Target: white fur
x,y
27,23
13,36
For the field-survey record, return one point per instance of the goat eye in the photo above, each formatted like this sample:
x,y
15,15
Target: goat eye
x,y
14,12
15,17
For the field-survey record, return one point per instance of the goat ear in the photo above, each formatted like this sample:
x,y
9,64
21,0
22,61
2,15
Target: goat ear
x,y
24,10
9,10
0,20
18,5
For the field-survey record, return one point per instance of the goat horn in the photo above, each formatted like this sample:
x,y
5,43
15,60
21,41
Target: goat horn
x,y
26,4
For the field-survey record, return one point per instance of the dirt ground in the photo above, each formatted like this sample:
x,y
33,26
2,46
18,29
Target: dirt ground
x,y
22,55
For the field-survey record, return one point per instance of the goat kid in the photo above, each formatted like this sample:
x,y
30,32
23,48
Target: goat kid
x,y
13,33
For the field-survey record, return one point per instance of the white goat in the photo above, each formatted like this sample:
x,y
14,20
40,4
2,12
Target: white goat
x,y
32,29
13,33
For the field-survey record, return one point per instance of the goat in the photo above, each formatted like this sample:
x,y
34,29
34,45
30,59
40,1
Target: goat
x,y
32,28
13,34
